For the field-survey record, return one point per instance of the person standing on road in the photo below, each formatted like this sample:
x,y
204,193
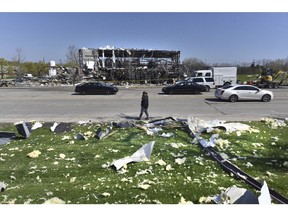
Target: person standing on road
x,y
144,105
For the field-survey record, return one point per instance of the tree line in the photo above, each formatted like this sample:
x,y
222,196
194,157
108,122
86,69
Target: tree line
x,y
17,67
255,67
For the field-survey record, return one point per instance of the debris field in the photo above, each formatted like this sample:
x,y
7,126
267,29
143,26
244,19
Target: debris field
x,y
164,161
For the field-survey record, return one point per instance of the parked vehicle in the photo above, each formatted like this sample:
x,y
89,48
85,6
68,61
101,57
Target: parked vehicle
x,y
243,92
222,75
96,88
208,82
28,77
271,79
184,87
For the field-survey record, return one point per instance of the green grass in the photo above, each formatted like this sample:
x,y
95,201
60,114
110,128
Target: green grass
x,y
247,77
84,177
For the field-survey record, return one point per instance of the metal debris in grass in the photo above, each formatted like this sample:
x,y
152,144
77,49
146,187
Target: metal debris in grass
x,y
23,128
80,137
100,133
142,154
61,127
36,125
2,186
6,137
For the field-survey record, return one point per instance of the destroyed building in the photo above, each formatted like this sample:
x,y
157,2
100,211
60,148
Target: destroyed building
x,y
112,64
130,64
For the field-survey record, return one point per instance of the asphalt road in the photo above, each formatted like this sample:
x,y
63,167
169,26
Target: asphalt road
x,y
61,104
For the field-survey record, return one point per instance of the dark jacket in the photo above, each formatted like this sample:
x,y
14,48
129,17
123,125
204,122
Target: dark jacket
x,y
144,101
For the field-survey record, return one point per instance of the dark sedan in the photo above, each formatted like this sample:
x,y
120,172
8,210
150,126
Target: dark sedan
x,y
96,88
184,87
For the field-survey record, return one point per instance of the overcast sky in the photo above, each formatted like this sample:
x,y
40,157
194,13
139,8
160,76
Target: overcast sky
x,y
214,37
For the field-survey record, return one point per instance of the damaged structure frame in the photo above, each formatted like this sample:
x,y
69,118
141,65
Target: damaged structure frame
x,y
130,64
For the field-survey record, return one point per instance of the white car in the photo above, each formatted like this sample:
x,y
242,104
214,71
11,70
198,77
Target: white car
x,y
243,92
208,82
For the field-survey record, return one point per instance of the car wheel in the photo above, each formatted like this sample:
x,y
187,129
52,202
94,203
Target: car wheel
x,y
83,92
107,92
170,92
207,88
233,98
276,85
227,83
266,98
270,85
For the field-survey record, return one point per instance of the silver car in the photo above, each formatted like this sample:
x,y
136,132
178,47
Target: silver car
x,y
243,92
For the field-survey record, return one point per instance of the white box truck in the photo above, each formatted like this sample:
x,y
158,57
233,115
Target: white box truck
x,y
222,75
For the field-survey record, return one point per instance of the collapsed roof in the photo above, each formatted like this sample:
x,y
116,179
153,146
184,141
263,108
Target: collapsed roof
x,y
113,59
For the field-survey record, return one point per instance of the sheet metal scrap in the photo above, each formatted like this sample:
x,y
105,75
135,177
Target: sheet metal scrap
x,y
5,137
229,167
100,134
127,124
2,186
60,127
163,121
236,195
142,154
23,128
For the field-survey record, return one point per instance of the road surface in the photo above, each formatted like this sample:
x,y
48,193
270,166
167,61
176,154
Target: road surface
x,y
61,104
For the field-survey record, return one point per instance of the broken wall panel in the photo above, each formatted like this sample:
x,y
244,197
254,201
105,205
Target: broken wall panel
x,y
23,128
126,64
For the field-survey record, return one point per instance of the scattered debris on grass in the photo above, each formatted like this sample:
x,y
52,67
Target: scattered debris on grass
x,y
233,195
6,137
54,200
2,186
143,154
34,154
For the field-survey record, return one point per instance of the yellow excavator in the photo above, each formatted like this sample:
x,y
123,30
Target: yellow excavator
x,y
270,79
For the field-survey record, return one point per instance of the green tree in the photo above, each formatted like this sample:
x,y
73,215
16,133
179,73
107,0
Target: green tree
x,y
3,67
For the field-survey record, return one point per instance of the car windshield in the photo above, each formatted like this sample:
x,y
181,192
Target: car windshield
x,y
106,84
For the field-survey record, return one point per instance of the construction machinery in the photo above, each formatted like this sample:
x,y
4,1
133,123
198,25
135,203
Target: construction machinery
x,y
270,79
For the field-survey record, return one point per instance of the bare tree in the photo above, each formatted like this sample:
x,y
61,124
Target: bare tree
x,y
72,56
194,64
18,59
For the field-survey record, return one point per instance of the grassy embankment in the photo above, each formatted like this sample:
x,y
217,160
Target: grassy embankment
x,y
78,172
